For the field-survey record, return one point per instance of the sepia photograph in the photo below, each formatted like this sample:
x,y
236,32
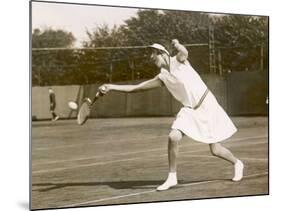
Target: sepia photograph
x,y
138,105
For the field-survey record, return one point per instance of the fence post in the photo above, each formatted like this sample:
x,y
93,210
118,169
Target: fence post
x,y
220,61
39,77
262,55
132,68
212,53
110,73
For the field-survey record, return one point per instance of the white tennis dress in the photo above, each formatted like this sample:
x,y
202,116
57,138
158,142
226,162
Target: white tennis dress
x,y
209,123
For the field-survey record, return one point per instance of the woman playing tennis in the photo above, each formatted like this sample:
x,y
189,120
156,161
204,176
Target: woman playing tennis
x,y
201,117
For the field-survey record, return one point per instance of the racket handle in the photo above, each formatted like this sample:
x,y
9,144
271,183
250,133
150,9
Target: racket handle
x,y
98,94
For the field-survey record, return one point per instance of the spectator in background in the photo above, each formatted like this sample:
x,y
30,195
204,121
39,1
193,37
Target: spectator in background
x,y
52,96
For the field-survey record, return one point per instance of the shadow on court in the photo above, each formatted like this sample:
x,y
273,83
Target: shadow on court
x,y
137,184
115,185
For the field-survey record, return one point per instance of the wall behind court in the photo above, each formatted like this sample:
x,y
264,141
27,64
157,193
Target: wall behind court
x,y
229,91
247,93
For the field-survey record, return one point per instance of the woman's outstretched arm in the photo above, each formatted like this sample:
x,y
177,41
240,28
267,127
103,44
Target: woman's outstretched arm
x,y
146,85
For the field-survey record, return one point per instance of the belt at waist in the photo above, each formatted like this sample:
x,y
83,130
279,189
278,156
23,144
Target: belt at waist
x,y
200,101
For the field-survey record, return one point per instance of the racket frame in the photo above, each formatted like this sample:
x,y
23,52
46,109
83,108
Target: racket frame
x,y
90,103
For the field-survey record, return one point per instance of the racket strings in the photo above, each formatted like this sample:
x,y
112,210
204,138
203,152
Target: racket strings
x,y
84,112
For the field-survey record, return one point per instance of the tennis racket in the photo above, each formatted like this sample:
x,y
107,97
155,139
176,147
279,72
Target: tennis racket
x,y
86,107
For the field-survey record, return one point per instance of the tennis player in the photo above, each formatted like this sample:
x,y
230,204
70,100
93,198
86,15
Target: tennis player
x,y
201,117
52,97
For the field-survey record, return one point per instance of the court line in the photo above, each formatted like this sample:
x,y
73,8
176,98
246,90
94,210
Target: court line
x,y
114,161
152,191
230,144
151,150
123,140
100,142
99,156
242,158
125,160
108,198
254,159
246,138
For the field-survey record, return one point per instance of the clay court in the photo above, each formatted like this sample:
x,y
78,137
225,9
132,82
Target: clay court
x,y
123,160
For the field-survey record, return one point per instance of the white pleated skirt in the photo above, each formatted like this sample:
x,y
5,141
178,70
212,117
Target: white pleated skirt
x,y
207,124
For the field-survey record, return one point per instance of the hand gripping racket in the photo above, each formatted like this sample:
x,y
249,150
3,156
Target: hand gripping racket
x,y
86,107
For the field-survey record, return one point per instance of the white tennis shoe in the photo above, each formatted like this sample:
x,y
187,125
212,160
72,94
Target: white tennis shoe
x,y
171,181
55,119
238,171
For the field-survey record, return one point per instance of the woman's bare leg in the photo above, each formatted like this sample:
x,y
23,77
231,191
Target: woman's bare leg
x,y
220,151
174,137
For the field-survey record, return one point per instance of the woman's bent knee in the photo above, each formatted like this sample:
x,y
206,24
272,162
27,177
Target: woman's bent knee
x,y
215,148
175,135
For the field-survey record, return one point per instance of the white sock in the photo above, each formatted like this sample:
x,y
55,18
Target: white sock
x,y
170,182
238,171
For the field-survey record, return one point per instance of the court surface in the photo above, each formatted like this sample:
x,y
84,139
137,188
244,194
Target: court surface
x,y
123,160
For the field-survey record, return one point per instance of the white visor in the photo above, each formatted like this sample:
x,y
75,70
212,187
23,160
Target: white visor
x,y
159,47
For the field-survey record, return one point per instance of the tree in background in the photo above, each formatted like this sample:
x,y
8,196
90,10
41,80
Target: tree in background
x,y
52,67
240,35
242,38
50,38
103,36
150,26
239,30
